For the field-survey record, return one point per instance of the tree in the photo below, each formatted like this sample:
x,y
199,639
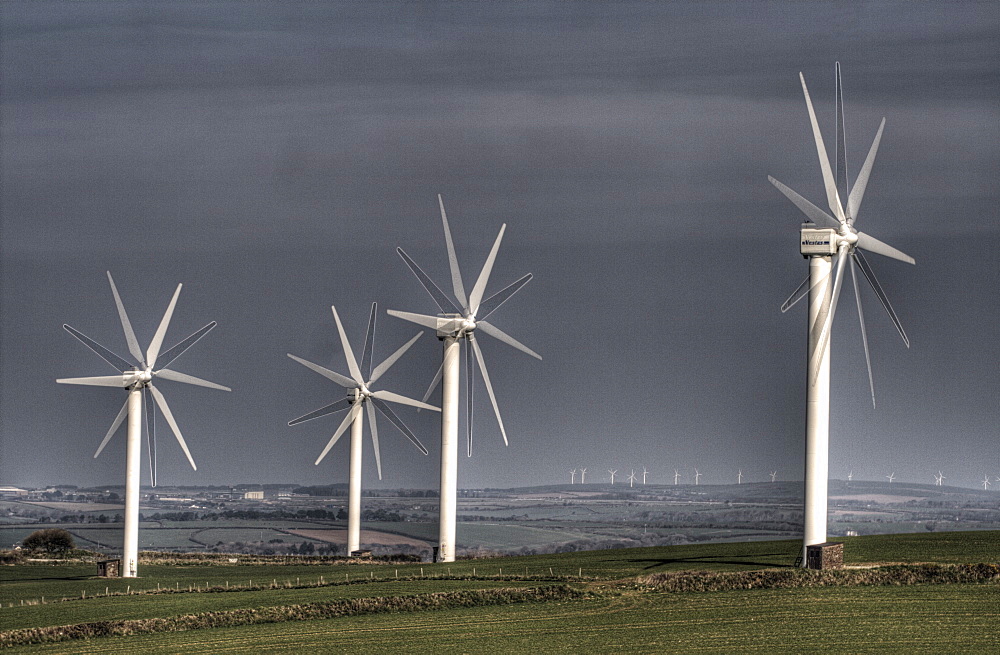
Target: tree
x,y
51,540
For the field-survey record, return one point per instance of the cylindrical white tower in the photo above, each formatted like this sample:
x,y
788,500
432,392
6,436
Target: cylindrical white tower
x,y
817,405
133,459
354,487
449,449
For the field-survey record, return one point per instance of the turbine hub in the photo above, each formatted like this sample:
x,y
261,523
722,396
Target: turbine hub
x,y
468,325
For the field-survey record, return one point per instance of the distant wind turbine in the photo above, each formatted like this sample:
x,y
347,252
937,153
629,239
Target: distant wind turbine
x,y
986,482
572,476
631,479
891,476
677,476
850,476
938,478
739,477
774,474
583,476
697,476
612,475
644,473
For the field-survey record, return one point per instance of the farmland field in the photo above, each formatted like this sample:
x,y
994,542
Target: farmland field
x,y
617,614
927,619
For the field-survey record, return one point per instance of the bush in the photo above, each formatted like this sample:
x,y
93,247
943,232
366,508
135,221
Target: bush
x,y
50,540
11,556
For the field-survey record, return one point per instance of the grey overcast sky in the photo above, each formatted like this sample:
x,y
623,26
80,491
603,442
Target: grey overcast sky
x,y
272,155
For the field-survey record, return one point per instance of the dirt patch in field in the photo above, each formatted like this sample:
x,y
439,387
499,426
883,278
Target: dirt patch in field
x,y
77,507
367,537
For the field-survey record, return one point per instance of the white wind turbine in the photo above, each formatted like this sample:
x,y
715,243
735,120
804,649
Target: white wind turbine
x,y
137,378
850,476
697,476
986,482
939,478
644,473
677,476
891,477
572,476
774,474
837,237
359,395
631,479
612,475
739,477
583,476
458,323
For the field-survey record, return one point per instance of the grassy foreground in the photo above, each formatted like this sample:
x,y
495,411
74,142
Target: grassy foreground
x,y
614,599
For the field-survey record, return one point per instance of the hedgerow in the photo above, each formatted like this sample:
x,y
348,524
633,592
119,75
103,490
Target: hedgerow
x,y
318,610
904,574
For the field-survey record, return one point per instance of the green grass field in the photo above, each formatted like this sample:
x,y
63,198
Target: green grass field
x,y
620,615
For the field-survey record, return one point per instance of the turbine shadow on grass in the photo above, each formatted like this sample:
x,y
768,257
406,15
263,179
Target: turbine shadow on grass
x,y
713,559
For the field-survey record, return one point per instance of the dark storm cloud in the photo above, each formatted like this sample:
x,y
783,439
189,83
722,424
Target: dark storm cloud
x,y
271,155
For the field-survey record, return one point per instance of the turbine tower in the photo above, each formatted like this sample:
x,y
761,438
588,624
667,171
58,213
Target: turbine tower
x,y
572,476
137,378
739,477
460,322
677,476
612,475
583,476
838,237
359,395
631,479
644,473
697,476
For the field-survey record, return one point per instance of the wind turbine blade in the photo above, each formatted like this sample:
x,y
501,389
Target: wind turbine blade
x,y
165,410
470,385
484,276
116,362
150,433
815,214
326,410
176,351
436,381
841,154
374,429
167,374
871,244
154,346
800,293
858,192
114,428
884,299
443,302
133,343
491,304
392,359
434,322
864,333
489,386
342,380
352,364
456,274
497,333
833,200
120,381
353,414
391,415
366,353
402,400
825,324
